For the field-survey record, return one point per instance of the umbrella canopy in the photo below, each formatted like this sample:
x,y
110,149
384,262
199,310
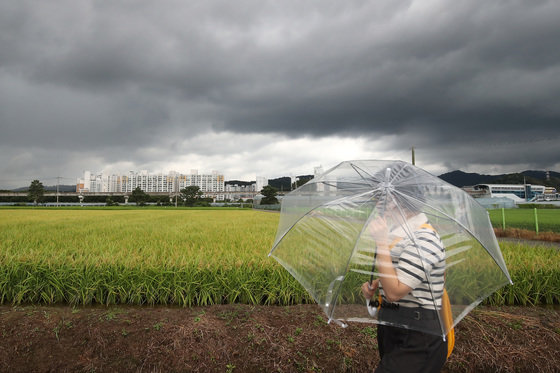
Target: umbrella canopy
x,y
326,242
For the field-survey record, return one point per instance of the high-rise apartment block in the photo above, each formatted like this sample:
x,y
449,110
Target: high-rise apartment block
x,y
172,182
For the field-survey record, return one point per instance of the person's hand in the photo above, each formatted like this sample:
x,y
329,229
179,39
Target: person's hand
x,y
379,231
368,290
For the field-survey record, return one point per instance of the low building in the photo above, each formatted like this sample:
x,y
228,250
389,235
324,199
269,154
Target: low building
x,y
240,190
515,192
496,203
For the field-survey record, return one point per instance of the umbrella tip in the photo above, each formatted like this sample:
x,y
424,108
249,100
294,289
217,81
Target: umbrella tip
x,y
338,322
386,184
387,173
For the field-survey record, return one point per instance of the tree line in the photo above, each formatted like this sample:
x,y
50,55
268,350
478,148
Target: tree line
x,y
189,196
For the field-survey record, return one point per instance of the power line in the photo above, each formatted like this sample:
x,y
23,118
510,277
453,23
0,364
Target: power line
x,y
38,178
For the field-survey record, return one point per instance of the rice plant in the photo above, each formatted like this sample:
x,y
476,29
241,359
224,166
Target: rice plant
x,y
183,257
535,272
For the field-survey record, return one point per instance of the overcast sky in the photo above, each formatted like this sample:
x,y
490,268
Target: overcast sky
x,y
276,88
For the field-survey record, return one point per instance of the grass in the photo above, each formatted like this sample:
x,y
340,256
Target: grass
x,y
184,257
548,219
130,206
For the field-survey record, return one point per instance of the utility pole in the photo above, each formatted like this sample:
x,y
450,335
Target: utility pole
x,y
413,158
57,182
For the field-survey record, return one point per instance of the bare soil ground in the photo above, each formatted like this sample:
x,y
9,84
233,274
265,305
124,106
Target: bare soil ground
x,y
241,338
524,235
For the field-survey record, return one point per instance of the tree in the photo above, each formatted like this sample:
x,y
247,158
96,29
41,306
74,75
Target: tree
x,y
163,201
36,191
269,194
139,196
301,180
191,195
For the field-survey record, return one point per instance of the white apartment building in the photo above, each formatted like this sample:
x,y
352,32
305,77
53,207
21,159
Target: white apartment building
x,y
94,183
211,185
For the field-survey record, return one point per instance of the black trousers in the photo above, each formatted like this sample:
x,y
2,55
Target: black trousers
x,y
405,350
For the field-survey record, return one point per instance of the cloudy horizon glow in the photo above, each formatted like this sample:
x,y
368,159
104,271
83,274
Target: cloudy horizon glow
x,y
273,89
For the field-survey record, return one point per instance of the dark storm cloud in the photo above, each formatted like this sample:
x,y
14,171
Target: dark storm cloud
x,y
110,78
457,71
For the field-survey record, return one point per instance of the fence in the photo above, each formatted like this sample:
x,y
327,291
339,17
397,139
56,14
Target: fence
x,y
267,207
536,219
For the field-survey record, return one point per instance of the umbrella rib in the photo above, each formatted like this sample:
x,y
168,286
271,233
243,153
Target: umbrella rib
x,y
375,253
359,170
338,185
397,174
445,218
360,271
328,184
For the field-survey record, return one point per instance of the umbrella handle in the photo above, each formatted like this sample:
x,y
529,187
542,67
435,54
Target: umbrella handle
x,y
371,310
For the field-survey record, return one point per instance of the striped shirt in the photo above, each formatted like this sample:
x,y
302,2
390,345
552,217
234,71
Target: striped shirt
x,y
420,264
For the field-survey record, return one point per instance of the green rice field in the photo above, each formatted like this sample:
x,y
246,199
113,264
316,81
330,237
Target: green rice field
x,y
183,257
548,219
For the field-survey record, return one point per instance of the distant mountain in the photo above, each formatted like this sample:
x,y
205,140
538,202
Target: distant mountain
x,y
50,188
283,184
461,179
541,175
239,182
61,188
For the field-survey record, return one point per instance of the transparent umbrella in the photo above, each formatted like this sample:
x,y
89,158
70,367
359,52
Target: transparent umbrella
x,y
441,241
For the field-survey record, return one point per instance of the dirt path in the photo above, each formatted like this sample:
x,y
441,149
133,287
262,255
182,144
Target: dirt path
x,y
240,338
521,241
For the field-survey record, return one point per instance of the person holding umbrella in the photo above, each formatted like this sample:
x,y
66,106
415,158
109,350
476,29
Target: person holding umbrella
x,y
370,218
406,284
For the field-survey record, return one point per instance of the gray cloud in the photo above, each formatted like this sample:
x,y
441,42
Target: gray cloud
x,y
470,83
